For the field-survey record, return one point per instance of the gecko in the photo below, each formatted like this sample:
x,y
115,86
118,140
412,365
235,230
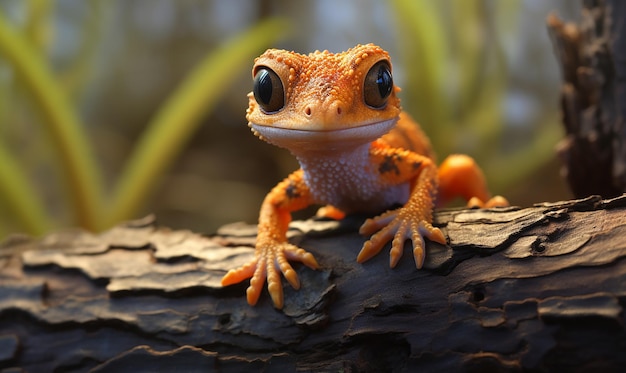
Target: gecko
x,y
339,114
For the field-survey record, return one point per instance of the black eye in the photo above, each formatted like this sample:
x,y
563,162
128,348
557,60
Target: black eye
x,y
268,90
378,85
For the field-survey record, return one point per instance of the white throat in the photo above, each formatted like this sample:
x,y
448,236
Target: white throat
x,y
349,181
337,165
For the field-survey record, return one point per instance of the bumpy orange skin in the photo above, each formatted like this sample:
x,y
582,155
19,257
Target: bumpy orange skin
x,y
353,158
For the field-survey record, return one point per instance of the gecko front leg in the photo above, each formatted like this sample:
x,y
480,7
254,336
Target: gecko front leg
x,y
412,221
273,252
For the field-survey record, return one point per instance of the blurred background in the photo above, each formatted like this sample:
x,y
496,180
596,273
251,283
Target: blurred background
x,y
113,109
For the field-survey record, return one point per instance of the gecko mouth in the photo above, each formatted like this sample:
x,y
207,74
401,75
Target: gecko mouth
x,y
325,139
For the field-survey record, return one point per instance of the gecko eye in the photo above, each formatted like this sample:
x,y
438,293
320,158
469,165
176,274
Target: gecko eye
x,y
268,90
378,84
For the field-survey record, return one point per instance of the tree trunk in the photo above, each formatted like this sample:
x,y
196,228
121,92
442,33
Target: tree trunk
x,y
592,56
540,288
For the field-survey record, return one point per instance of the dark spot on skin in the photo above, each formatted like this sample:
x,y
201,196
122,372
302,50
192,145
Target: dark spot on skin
x,y
416,165
292,191
389,165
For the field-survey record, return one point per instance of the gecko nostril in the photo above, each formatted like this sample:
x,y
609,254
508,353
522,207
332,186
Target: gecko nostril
x,y
336,107
307,111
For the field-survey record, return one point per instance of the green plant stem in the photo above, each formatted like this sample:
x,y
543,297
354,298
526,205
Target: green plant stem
x,y
38,23
65,129
178,118
423,39
19,196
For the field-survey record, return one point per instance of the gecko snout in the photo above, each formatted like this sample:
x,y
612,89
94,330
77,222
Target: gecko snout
x,y
330,113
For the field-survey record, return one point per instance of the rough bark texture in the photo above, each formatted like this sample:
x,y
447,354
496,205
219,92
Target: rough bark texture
x,y
592,56
540,289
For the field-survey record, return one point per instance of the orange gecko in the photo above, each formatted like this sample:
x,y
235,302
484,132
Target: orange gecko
x,y
340,116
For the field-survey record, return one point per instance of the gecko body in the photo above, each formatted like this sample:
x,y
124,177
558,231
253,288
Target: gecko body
x,y
340,116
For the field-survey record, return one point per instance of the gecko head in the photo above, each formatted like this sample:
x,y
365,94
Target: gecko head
x,y
323,100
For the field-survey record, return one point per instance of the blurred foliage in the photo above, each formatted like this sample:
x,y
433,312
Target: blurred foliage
x,y
111,109
61,121
180,115
457,81
162,141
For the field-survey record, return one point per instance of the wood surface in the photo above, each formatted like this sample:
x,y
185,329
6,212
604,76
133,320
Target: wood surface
x,y
540,288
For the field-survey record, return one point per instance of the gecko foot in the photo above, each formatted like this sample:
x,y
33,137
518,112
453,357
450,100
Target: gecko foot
x,y
270,258
497,201
330,212
397,226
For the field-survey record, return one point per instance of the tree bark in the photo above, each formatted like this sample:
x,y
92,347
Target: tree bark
x,y
592,56
540,288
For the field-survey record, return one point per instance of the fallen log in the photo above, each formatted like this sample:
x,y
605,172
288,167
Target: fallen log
x,y
539,288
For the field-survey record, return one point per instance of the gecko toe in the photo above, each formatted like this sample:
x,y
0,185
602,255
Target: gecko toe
x,y
276,293
497,201
433,234
370,226
373,246
418,249
235,276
